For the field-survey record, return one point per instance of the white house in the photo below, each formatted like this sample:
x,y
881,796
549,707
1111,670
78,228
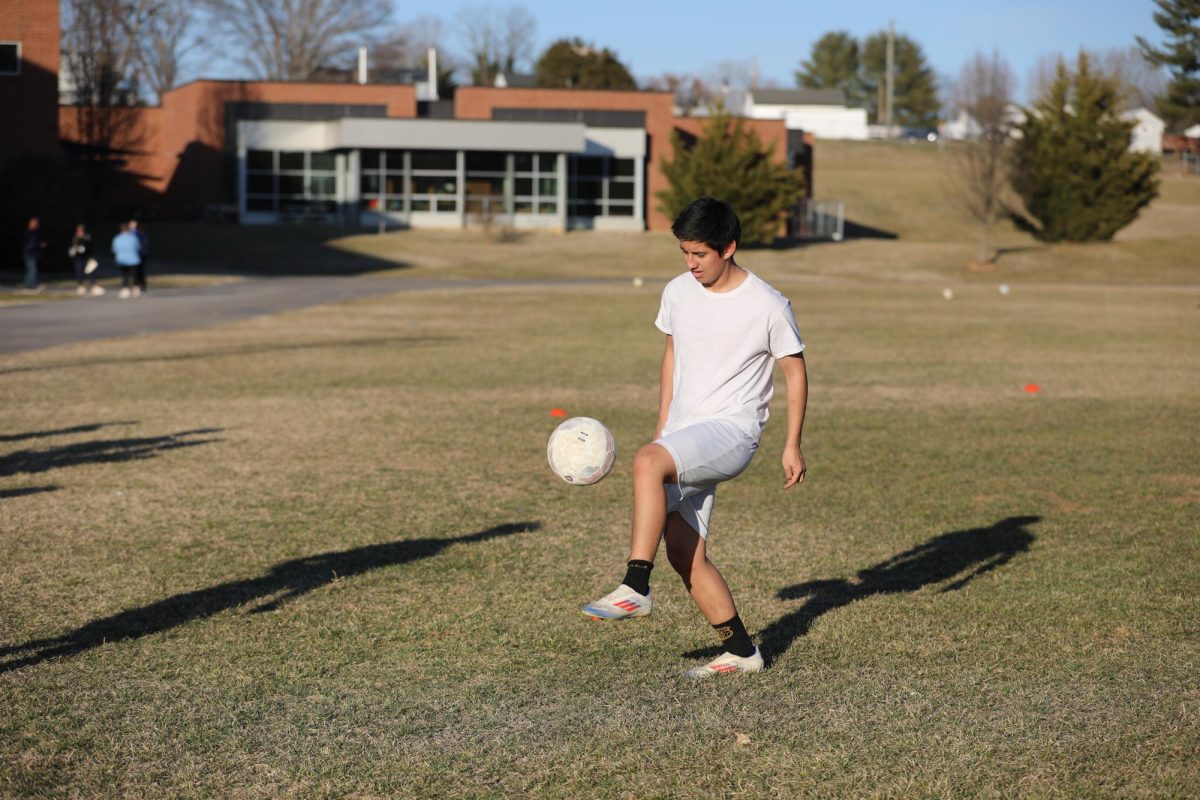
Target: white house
x,y
1148,131
821,112
1193,132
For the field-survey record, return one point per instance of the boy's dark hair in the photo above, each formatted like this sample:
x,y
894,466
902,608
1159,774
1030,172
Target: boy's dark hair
x,y
710,221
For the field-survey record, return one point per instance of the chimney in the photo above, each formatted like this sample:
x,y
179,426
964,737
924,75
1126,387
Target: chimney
x,y
433,75
362,65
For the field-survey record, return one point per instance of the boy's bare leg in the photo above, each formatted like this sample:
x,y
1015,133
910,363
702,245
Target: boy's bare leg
x,y
652,467
686,552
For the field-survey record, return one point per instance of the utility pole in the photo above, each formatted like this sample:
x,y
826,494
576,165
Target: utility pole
x,y
890,80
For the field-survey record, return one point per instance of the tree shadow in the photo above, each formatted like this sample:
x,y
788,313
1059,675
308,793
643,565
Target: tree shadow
x,y
954,558
5,494
284,583
90,428
104,451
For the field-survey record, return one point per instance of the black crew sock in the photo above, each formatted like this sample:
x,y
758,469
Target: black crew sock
x,y
734,638
637,576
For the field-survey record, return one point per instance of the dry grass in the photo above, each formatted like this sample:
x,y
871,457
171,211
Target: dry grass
x,y
156,491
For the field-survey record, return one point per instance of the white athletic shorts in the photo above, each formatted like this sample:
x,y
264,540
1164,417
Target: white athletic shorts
x,y
705,453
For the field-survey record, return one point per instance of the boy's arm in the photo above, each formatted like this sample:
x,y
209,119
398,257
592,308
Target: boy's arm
x,y
796,373
666,385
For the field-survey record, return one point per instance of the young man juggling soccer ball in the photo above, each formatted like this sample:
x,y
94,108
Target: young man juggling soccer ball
x,y
725,329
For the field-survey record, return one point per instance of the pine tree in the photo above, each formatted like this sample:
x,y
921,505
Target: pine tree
x,y
574,64
1180,21
833,65
915,94
729,162
1072,165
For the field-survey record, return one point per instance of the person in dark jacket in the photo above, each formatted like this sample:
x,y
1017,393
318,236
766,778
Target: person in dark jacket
x,y
85,264
34,244
139,272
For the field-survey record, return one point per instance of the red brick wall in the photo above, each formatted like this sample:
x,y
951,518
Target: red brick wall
x,y
177,151
30,100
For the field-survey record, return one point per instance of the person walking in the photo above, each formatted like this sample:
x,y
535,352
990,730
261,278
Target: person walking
x,y
127,251
139,273
34,244
85,265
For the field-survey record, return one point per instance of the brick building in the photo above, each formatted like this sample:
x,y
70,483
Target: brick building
x,y
362,153
29,48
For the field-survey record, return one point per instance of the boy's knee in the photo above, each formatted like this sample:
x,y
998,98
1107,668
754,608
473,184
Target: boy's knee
x,y
653,461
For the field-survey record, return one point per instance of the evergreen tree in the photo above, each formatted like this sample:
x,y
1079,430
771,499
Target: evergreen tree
x,y
833,65
728,162
1180,21
573,64
915,100
1072,165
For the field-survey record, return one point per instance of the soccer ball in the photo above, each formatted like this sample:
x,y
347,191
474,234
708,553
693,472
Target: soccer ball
x,y
581,451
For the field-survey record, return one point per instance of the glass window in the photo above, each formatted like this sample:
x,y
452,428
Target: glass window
x,y
322,186
369,184
618,190
523,207
585,209
485,186
420,204
447,205
369,203
622,167
260,159
548,162
425,184
260,204
587,190
395,204
487,162
523,162
260,184
370,159
547,186
548,208
322,161
523,187
615,210
395,184
394,160
434,159
587,166
291,161
291,184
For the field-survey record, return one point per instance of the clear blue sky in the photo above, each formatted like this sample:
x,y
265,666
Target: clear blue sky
x,y
653,36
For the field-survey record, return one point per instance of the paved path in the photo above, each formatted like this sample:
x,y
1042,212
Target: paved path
x,y
48,324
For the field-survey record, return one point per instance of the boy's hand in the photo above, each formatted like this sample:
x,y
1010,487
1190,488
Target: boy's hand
x,y
793,465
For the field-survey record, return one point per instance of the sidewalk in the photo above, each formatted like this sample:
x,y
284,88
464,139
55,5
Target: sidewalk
x,y
39,325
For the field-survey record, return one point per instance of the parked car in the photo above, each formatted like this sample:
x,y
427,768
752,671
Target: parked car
x,y
919,134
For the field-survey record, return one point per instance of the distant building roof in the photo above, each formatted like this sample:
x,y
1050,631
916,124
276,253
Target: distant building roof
x,y
799,97
515,81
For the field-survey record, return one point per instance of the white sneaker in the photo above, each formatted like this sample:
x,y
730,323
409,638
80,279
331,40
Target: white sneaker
x,y
137,291
620,603
727,662
81,290
97,290
124,293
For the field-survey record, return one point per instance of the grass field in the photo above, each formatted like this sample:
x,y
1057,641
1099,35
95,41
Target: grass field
x,y
320,554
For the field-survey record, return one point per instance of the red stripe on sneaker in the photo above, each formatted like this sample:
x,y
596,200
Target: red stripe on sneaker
x,y
724,668
628,605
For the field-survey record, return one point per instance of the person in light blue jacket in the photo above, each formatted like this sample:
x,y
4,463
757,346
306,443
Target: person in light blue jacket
x,y
127,250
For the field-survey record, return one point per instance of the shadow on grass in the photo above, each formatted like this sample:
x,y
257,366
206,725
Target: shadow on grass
x,y
104,451
5,494
283,583
248,350
91,428
954,558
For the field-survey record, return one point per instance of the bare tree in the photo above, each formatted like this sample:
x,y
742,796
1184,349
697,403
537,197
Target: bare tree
x,y
100,45
169,33
690,91
1141,81
496,39
984,92
290,39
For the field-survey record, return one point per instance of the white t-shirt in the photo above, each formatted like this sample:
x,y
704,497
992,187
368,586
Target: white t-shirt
x,y
726,344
